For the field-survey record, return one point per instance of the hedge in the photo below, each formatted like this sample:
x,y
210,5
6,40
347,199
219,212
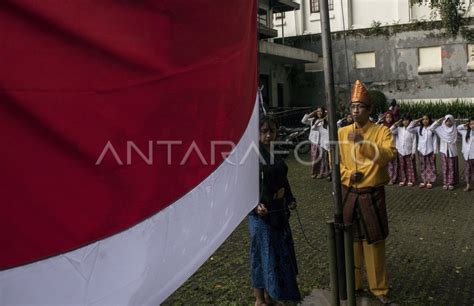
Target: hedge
x,y
459,108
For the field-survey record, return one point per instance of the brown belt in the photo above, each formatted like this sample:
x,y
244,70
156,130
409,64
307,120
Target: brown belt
x,y
363,190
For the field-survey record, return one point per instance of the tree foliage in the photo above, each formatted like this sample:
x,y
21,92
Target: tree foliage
x,y
451,12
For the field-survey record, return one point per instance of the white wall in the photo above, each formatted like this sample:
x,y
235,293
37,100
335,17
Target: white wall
x,y
357,14
422,12
289,24
312,22
365,12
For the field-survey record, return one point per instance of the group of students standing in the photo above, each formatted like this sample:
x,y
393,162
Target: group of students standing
x,y
272,255
429,138
424,136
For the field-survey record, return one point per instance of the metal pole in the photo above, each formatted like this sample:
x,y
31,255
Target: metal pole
x,y
282,28
349,248
333,264
334,149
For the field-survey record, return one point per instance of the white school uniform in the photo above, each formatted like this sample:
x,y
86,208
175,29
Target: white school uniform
x,y
447,137
324,135
405,141
467,146
314,135
427,141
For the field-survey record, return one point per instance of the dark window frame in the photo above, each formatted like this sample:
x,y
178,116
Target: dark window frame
x,y
314,6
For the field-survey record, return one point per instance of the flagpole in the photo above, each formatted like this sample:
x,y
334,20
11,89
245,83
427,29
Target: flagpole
x,y
334,148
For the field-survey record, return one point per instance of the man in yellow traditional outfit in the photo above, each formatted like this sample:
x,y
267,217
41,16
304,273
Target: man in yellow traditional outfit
x,y
365,150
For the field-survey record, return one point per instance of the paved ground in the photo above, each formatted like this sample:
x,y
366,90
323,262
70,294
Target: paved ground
x,y
430,249
321,297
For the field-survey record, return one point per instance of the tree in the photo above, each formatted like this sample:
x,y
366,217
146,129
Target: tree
x,y
451,12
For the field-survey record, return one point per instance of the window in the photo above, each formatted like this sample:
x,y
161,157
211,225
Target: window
x,y
364,60
262,18
280,16
314,6
470,57
430,60
279,19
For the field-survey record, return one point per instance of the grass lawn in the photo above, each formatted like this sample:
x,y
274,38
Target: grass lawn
x,y
430,248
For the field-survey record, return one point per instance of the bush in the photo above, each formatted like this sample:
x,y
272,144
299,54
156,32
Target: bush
x,y
459,108
379,101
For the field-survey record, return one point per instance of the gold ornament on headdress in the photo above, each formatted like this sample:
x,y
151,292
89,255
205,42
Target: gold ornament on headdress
x,y
360,93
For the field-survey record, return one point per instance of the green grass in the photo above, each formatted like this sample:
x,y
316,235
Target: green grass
x,y
429,249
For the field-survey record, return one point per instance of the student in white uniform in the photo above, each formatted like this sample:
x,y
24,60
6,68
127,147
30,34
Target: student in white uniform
x,y
467,132
405,143
323,127
314,138
427,149
392,167
445,128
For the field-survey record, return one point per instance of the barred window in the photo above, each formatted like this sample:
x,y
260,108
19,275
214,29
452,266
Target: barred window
x,y
315,5
280,15
331,5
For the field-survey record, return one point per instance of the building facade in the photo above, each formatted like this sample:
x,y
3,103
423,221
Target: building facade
x,y
277,61
356,14
389,46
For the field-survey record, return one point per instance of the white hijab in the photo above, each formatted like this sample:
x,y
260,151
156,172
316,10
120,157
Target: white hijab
x,y
447,134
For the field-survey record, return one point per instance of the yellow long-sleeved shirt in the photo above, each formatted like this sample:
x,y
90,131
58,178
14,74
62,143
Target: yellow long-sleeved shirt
x,y
372,155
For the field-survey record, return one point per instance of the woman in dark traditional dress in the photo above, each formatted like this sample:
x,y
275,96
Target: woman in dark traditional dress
x,y
272,254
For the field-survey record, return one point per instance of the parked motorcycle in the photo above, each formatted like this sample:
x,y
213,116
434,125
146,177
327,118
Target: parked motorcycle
x,y
294,138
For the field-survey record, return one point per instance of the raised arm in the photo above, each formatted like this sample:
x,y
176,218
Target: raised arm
x,y
462,129
307,119
412,127
394,127
435,125
340,122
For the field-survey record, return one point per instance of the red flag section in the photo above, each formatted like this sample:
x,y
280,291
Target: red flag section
x,y
82,80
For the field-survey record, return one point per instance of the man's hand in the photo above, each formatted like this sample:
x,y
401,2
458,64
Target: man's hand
x,y
355,137
261,209
292,205
356,176
398,122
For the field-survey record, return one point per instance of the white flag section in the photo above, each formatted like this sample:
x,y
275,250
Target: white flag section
x,y
148,262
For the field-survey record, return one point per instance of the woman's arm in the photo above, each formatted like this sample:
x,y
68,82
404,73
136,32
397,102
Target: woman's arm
x,y
307,120
462,129
394,127
435,125
412,127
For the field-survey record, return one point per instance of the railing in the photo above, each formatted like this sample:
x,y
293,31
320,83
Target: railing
x,y
289,116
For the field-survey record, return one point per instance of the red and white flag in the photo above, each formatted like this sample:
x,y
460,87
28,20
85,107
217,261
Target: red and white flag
x,y
115,121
